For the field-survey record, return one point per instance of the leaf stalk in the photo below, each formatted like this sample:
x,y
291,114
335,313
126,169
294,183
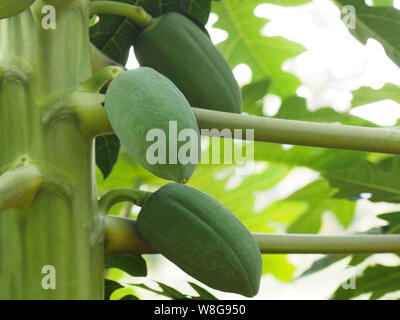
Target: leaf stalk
x,y
124,238
135,13
293,132
305,133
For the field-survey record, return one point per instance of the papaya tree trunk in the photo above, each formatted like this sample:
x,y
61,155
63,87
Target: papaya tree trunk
x,y
51,240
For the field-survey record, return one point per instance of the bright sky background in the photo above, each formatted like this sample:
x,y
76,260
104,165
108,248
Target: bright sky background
x,y
333,65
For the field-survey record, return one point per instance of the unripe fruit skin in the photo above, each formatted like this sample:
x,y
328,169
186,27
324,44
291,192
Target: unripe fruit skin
x,y
203,238
180,50
10,8
140,100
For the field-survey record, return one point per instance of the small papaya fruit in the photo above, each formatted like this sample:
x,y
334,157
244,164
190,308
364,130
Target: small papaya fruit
x,y
10,8
144,106
202,237
180,50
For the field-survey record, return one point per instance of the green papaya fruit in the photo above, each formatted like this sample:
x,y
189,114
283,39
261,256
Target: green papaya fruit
x,y
10,8
154,123
180,50
202,237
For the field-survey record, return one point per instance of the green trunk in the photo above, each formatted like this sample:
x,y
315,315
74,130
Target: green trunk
x,y
63,227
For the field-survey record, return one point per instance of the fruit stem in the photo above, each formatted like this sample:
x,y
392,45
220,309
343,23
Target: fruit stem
x,y
138,197
123,237
96,82
135,13
306,133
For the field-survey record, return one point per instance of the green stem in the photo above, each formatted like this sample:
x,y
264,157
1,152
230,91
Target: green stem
x,y
138,197
137,14
96,82
63,227
126,209
310,243
123,237
304,133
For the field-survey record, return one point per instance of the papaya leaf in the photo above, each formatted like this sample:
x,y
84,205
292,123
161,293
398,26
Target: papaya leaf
x,y
174,294
295,108
171,292
379,23
318,197
246,44
165,291
124,294
387,3
328,260
107,150
109,287
129,297
366,95
391,228
133,265
114,35
203,293
240,199
393,219
323,263
280,212
379,180
115,291
252,94
378,280
356,259
278,266
318,159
